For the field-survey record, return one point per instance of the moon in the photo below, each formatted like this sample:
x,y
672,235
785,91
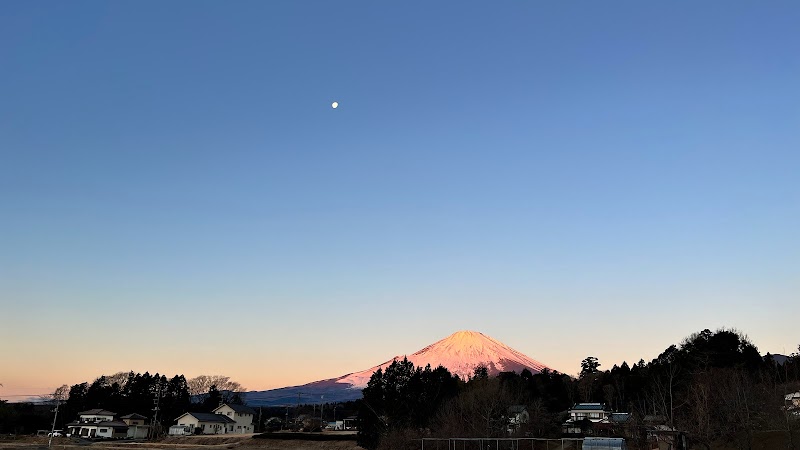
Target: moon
x,y
335,105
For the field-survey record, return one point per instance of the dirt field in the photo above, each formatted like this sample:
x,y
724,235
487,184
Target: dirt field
x,y
219,442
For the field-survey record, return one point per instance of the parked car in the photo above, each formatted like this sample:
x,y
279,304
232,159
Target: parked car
x,y
55,433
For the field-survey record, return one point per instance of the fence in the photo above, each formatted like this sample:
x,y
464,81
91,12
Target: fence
x,y
501,444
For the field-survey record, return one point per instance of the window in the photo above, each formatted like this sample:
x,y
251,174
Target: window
x,y
104,430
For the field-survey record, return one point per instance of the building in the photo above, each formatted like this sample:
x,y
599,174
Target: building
x,y
98,423
137,426
517,416
96,415
242,415
202,423
594,412
604,443
584,418
792,402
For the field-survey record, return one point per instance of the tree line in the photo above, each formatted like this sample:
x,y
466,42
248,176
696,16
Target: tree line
x,y
714,386
124,393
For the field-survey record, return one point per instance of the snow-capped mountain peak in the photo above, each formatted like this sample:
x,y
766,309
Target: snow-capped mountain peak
x,y
460,353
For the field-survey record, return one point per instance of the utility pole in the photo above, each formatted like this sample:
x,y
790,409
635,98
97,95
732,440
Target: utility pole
x,y
297,408
53,430
156,402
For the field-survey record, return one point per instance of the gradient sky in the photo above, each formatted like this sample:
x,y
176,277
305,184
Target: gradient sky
x,y
570,178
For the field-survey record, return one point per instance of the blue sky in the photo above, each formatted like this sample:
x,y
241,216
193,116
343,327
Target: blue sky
x,y
596,178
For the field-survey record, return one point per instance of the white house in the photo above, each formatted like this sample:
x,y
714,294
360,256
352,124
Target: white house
x,y
242,415
594,412
582,412
207,423
98,423
96,415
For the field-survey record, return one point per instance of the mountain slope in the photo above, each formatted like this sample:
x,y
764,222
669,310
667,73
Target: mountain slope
x,y
460,353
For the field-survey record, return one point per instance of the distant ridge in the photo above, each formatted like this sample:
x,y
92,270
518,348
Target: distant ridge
x,y
460,353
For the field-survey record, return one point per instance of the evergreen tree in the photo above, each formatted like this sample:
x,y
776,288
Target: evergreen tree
x,y
213,399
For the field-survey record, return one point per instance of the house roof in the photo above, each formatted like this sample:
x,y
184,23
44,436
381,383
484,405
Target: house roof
x,y
588,407
113,424
793,395
655,419
97,412
619,417
516,409
210,417
133,416
238,408
105,423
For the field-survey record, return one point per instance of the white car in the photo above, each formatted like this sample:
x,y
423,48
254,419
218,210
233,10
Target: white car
x,y
55,433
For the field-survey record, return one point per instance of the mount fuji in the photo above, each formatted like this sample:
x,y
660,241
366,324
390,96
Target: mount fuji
x,y
460,353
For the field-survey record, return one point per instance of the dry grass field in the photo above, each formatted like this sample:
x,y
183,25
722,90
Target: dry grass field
x,y
219,442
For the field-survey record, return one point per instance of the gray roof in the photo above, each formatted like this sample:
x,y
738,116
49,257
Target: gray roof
x,y
588,406
211,417
113,424
97,412
655,419
619,417
105,423
133,416
516,409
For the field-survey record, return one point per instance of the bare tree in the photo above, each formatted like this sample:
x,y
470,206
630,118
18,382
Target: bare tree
x,y
479,411
121,378
199,386
59,395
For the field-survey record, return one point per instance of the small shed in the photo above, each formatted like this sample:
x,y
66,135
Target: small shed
x,y
179,430
604,443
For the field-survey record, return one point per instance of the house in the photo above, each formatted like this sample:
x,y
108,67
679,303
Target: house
x,y
517,416
96,415
792,401
137,426
242,415
98,423
202,423
584,418
616,424
337,425
594,412
662,436
351,423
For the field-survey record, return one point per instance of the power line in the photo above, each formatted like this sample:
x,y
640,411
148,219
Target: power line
x,y
25,395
